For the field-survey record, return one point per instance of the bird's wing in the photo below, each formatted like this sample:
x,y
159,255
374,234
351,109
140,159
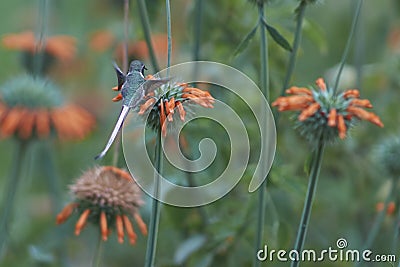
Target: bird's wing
x,y
120,75
121,118
151,85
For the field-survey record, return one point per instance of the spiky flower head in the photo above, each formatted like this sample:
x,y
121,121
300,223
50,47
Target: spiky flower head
x,y
108,197
33,107
324,114
388,155
161,104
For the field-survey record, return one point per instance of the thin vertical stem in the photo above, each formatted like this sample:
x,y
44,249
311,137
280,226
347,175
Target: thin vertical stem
x,y
144,18
53,177
312,186
348,44
117,145
296,44
197,29
98,252
126,37
11,189
264,82
359,51
155,211
169,34
396,227
41,37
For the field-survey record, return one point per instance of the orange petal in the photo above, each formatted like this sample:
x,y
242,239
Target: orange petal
x,y
149,77
62,47
81,221
103,226
341,127
42,123
321,84
171,105
65,213
146,105
12,120
115,88
365,103
293,100
351,93
118,98
365,115
296,106
120,228
123,174
298,91
309,111
182,112
141,224
129,229
196,92
26,125
162,119
24,41
332,118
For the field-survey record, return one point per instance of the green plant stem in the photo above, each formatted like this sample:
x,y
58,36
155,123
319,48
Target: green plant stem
x,y
348,44
41,36
117,144
396,228
296,45
53,178
359,51
155,211
312,186
98,252
197,29
169,34
144,18
11,189
376,226
264,81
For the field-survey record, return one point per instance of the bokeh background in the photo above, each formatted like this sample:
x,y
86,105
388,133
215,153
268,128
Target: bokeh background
x,y
222,233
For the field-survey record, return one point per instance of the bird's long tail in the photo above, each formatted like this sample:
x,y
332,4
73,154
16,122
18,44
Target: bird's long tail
x,y
121,118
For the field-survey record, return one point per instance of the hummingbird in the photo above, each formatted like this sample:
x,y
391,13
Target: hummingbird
x,y
133,87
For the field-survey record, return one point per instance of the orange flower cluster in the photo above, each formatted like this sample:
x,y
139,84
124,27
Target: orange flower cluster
x,y
166,104
107,196
62,47
69,121
337,111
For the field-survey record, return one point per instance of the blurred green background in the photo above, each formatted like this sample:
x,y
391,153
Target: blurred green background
x,y
222,233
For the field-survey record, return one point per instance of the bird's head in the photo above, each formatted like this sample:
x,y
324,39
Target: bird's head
x,y
137,65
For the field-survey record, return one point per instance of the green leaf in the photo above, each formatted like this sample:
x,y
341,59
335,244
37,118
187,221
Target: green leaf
x,y
245,42
278,38
188,247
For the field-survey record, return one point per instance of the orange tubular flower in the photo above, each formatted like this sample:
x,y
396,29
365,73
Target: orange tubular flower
x,y
321,112
108,197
